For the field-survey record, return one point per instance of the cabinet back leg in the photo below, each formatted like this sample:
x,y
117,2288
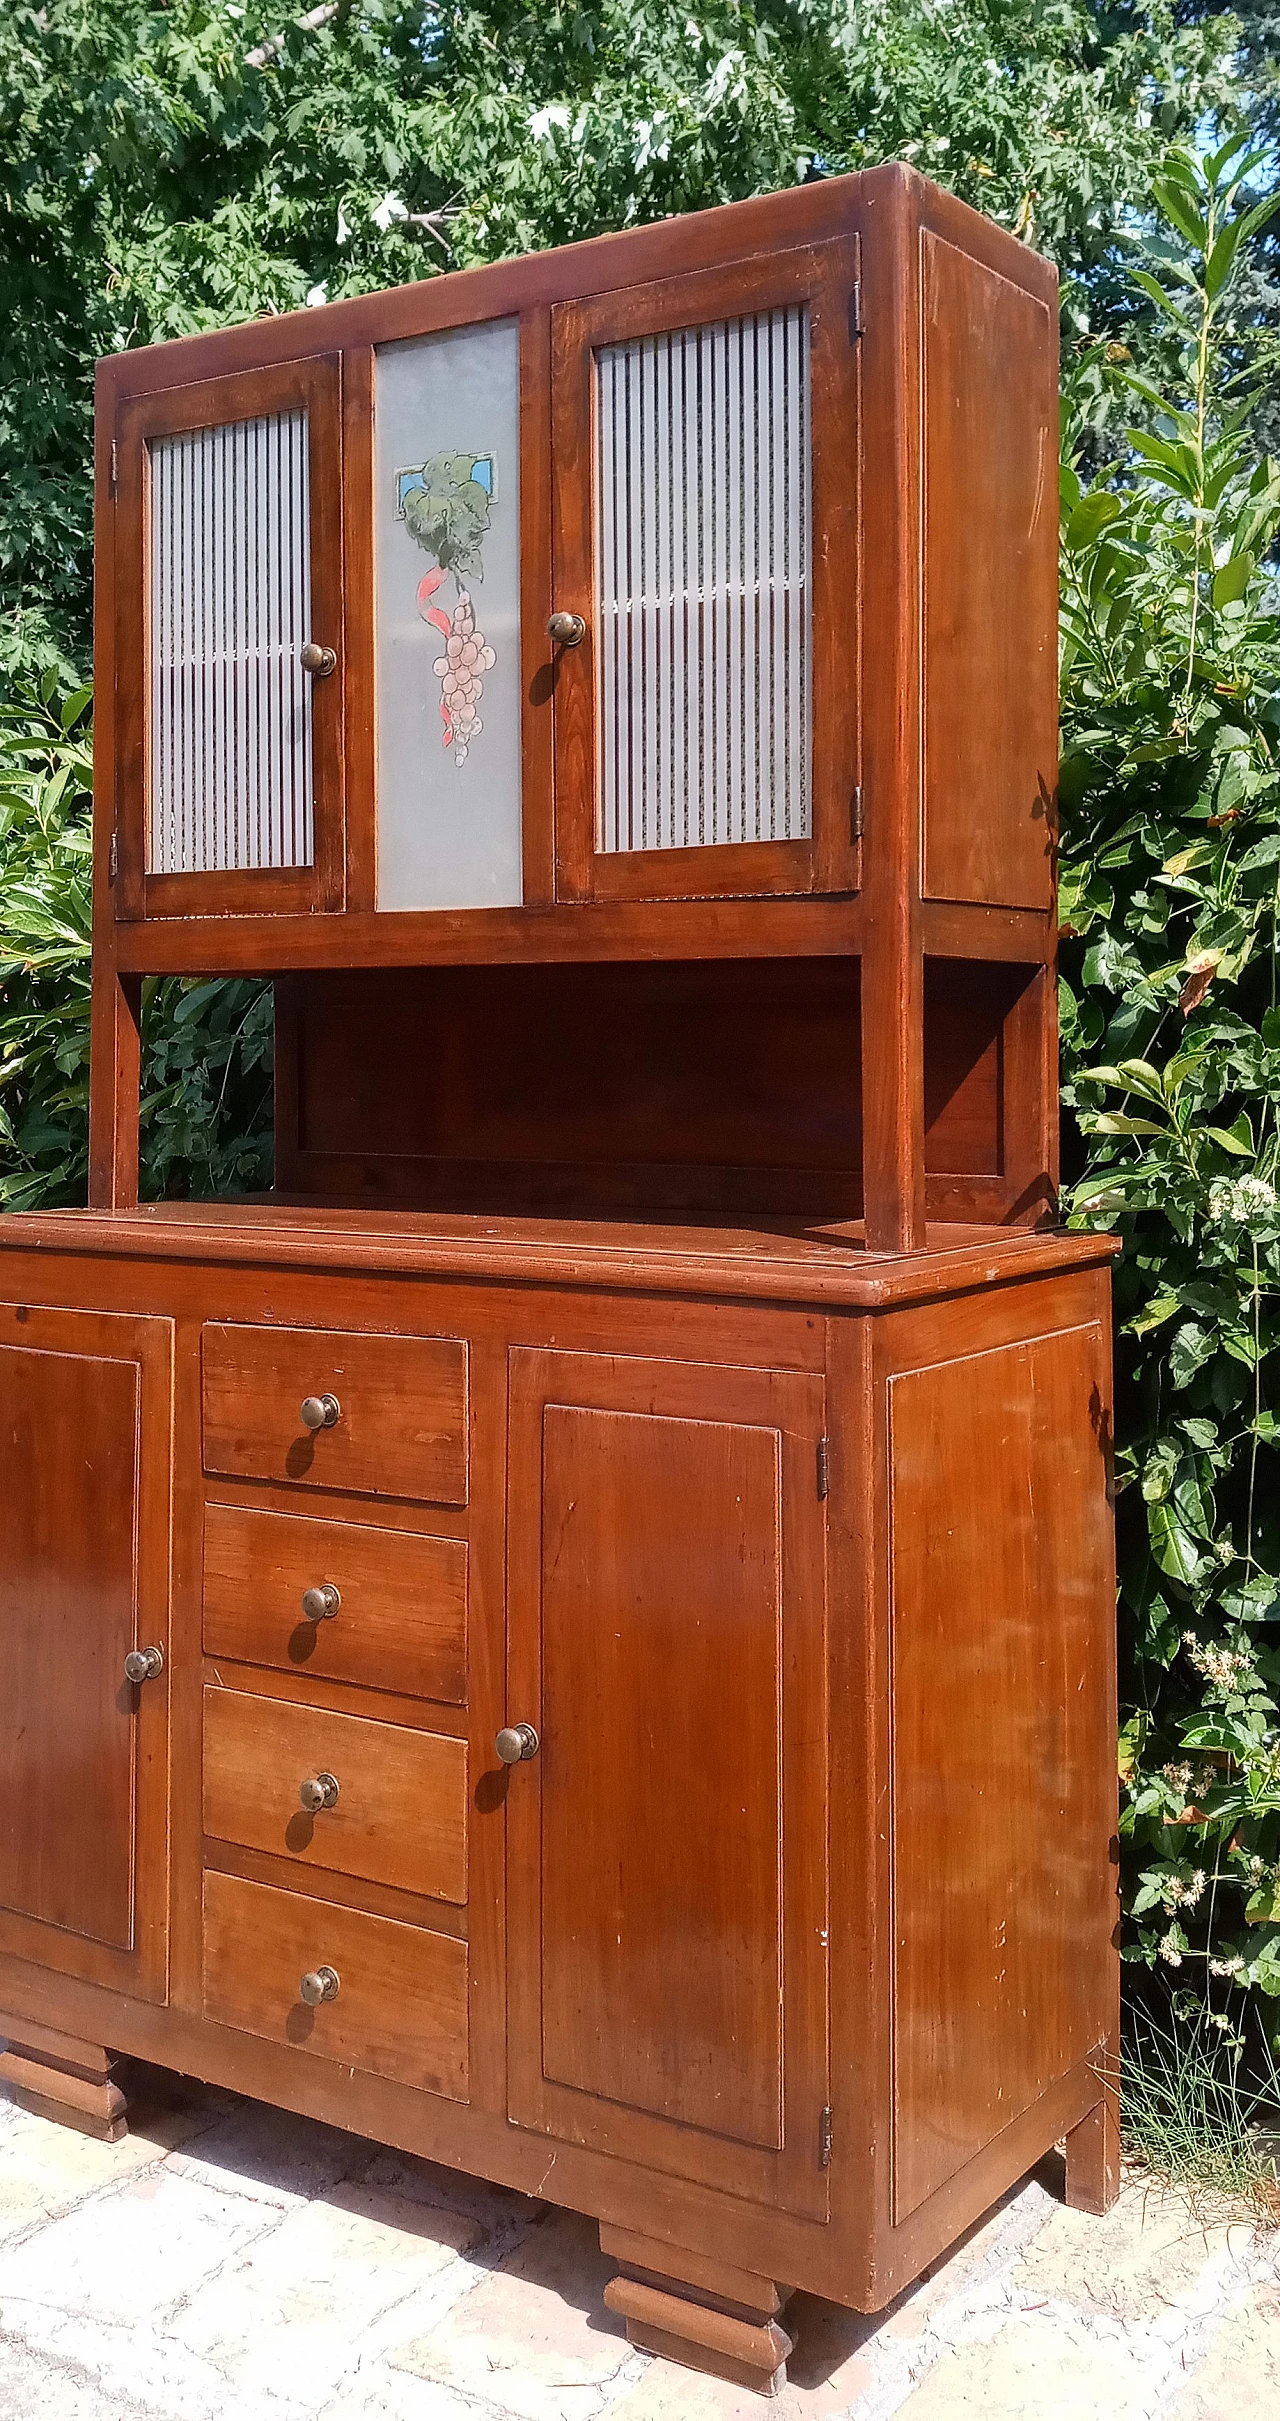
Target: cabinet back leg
x,y
707,2314
1093,2147
57,2076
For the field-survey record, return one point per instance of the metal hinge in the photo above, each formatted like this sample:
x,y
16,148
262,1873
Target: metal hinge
x,y
824,2139
824,1465
856,328
115,466
113,863
855,813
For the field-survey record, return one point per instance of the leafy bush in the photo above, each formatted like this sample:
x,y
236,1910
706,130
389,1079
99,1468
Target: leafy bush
x,y
206,1090
172,165
1171,1058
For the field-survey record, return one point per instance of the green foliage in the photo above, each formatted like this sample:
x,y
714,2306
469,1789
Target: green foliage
x,y
449,513
206,1046
1171,1042
172,168
1197,2113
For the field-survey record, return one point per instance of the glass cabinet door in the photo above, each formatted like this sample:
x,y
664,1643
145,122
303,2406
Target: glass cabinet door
x,y
446,618
229,715
706,502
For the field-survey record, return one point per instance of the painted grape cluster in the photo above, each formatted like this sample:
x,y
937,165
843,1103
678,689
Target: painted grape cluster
x,y
467,656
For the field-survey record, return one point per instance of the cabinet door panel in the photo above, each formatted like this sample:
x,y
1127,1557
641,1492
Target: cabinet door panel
x,y
228,560
84,1487
705,453
668,1895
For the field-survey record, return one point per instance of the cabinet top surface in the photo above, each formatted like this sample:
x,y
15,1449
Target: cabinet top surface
x,y
819,1262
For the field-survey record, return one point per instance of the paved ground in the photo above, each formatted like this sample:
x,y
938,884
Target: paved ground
x,y
229,2263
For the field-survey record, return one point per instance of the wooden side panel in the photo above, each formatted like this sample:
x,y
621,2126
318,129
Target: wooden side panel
x,y
401,1622
84,1489
401,2006
990,416
401,1812
669,1693
401,1428
666,1847
1002,1620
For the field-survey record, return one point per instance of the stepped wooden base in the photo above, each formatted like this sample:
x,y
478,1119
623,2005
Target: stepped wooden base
x,y
703,2313
57,2076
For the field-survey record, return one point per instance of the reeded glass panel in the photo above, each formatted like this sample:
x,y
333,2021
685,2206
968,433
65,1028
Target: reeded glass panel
x,y
447,629
702,575
231,783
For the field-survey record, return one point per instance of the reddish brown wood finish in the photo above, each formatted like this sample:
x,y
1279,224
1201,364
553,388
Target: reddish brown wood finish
x,y
84,1557
401,1622
400,1815
782,1517
401,1424
359,681
999,1477
933,419
401,2007
746,1329
56,2077
662,1662
563,1088
989,671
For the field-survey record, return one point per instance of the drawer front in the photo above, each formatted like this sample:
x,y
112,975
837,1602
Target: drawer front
x,y
401,2005
401,1622
400,1816
401,1425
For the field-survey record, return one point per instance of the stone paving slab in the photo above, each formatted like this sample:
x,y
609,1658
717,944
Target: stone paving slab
x,y
229,2262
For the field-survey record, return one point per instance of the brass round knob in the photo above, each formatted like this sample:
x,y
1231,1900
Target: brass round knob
x,y
567,630
320,1984
321,1603
320,1791
318,660
320,1411
144,1664
516,1742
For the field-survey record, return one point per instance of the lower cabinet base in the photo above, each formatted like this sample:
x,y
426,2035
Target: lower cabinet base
x,y
56,2076
703,2313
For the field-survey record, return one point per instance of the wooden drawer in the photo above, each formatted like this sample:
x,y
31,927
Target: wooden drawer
x,y
401,1812
401,1429
401,2007
402,1621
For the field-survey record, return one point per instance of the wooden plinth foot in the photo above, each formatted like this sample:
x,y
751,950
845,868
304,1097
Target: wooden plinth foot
x,y
1093,2148
57,2076
704,2313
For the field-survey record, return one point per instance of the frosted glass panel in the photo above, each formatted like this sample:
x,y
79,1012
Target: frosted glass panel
x,y
702,575
230,610
447,523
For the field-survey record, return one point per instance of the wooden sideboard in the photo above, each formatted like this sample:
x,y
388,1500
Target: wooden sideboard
x,y
578,1638
790,1946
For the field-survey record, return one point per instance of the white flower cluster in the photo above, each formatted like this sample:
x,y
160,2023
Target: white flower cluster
x,y
1247,1202
466,656
1232,1966
1171,1950
1227,1668
1192,1781
1184,1891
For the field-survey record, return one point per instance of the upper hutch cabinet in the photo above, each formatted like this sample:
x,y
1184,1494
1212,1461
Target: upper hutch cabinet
x,y
653,571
